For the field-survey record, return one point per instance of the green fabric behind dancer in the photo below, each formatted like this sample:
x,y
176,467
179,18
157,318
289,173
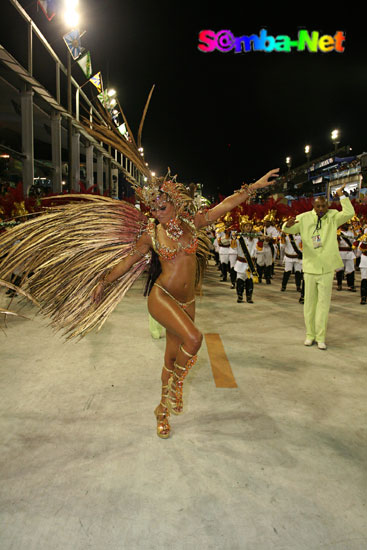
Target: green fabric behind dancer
x,y
156,330
318,230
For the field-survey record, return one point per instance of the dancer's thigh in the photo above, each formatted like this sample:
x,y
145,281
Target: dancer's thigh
x,y
173,342
169,314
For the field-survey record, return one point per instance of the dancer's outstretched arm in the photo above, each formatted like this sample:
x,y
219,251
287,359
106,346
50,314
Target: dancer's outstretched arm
x,y
238,197
142,247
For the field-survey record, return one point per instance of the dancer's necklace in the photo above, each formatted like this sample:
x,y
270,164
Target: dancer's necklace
x,y
174,230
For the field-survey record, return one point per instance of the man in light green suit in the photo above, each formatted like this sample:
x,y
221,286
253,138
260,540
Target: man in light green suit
x,y
318,230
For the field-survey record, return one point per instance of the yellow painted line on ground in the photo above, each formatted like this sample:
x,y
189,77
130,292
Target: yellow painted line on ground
x,y
222,372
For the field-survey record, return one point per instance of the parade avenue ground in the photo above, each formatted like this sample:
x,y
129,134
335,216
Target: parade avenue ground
x,y
270,453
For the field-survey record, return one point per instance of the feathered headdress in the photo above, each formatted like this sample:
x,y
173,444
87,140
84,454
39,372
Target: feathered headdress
x,y
151,192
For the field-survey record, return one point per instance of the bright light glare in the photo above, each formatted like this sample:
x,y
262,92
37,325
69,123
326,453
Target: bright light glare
x,y
288,160
71,5
71,18
307,149
111,92
334,134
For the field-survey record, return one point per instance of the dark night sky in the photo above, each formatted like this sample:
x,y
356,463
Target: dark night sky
x,y
266,106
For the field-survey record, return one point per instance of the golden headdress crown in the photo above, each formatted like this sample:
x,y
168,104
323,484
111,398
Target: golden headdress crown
x,y
152,191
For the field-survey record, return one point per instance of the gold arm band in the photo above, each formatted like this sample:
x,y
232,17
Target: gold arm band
x,y
250,190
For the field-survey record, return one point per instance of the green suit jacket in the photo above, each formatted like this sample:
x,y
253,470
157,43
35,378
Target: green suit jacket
x,y
325,258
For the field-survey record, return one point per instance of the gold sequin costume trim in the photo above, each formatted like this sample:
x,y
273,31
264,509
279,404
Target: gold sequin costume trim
x,y
167,253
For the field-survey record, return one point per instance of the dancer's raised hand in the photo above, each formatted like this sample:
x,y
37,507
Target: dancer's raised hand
x,y
265,180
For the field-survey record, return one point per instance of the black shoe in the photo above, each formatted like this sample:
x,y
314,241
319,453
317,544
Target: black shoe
x,y
339,287
249,300
301,300
352,289
239,300
268,281
363,301
299,289
283,289
233,285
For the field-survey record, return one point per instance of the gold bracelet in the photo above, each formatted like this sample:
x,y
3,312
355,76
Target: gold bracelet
x,y
105,283
245,187
251,191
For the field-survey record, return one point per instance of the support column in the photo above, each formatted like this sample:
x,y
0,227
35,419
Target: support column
x,y
70,126
26,102
89,164
76,161
100,171
77,102
109,172
56,152
109,177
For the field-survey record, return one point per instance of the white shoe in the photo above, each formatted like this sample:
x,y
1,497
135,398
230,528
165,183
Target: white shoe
x,y
321,345
308,342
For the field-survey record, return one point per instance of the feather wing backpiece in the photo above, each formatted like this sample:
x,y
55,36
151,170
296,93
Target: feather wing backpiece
x,y
63,254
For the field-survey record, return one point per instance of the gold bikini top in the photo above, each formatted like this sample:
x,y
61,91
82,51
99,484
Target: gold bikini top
x,y
167,253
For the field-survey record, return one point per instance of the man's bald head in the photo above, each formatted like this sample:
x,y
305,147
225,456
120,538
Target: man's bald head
x,y
320,205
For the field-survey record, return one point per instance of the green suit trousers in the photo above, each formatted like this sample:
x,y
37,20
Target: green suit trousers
x,y
318,289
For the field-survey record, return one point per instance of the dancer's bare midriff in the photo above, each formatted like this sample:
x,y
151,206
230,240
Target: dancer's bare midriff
x,y
178,276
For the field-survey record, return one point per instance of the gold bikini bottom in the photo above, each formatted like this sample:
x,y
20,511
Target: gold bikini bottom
x,y
182,305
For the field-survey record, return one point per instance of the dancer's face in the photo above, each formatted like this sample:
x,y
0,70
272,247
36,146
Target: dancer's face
x,y
320,206
164,210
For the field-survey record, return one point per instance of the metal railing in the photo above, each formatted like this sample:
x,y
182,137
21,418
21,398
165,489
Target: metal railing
x,y
81,100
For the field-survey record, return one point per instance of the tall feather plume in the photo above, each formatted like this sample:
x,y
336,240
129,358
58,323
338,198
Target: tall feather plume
x,y
140,131
63,254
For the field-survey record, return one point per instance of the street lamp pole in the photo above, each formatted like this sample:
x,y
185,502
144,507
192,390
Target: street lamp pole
x,y
71,18
308,152
308,156
335,137
70,126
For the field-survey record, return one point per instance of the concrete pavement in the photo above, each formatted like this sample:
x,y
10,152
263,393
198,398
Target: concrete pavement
x,y
277,463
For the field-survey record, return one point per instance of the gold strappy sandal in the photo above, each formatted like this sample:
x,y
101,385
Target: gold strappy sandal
x,y
163,426
175,383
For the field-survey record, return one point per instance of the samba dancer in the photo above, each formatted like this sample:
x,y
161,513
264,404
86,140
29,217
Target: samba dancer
x,y
171,298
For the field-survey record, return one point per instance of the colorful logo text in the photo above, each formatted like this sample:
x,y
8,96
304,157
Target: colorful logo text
x,y
225,41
